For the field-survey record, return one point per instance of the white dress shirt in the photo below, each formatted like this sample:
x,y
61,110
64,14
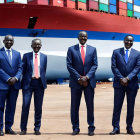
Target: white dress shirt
x,y
129,50
38,57
81,47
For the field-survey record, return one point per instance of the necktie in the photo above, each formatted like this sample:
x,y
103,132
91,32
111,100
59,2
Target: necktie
x,y
83,54
36,66
126,56
9,57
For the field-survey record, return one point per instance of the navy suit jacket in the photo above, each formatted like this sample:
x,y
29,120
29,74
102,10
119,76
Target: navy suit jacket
x,y
7,70
28,69
76,68
122,69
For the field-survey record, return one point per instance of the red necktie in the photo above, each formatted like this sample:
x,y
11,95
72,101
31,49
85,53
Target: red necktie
x,y
83,54
36,66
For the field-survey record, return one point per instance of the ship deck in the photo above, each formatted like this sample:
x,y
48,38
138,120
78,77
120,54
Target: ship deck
x,y
56,123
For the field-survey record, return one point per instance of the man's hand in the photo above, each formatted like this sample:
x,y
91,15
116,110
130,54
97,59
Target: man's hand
x,y
84,78
80,81
12,81
124,81
83,81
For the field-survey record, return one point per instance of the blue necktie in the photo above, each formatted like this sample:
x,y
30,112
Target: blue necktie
x,y
126,56
9,57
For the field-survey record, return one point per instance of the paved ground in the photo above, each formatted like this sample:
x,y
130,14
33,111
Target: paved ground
x,y
56,123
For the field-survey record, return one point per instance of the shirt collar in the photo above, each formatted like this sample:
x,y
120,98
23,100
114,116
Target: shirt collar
x,y
7,49
82,45
36,53
127,49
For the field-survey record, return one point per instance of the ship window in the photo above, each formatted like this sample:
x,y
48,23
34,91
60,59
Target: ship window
x,y
32,22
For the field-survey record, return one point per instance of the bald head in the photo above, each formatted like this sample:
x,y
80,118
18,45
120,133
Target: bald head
x,y
128,36
9,36
82,32
37,39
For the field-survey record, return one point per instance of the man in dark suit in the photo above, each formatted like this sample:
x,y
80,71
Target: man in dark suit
x,y
82,65
10,74
33,81
125,67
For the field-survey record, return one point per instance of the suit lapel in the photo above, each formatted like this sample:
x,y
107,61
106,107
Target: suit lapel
x,y
41,60
31,60
122,53
13,57
130,55
87,52
78,52
5,55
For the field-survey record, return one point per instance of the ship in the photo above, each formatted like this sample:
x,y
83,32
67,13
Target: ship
x,y
58,29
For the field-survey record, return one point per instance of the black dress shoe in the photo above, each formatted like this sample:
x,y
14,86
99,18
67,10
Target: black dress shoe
x,y
37,132
75,132
10,131
115,131
131,132
1,133
90,133
23,132
91,130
